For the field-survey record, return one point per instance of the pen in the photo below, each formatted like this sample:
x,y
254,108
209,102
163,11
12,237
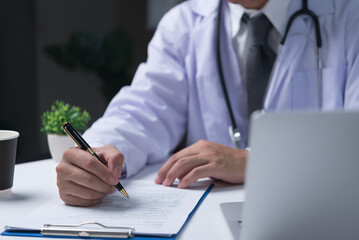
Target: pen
x,y
76,137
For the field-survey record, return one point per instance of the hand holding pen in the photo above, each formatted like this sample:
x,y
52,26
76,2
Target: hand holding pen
x,y
76,137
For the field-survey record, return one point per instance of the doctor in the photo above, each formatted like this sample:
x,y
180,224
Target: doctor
x,y
177,95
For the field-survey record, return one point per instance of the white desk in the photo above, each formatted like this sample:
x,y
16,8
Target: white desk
x,y
35,184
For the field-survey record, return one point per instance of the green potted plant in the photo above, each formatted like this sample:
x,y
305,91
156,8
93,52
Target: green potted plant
x,y
108,56
52,121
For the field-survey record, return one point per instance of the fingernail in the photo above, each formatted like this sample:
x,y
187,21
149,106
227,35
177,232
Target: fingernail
x,y
180,185
113,180
157,180
166,182
118,170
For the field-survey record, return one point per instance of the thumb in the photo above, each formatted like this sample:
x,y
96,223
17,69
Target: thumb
x,y
113,157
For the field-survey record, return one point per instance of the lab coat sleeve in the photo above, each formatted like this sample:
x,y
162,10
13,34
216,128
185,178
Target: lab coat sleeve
x,y
351,96
147,120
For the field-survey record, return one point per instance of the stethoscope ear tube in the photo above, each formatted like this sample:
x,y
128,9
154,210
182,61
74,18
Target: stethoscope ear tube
x,y
233,131
320,79
306,11
219,66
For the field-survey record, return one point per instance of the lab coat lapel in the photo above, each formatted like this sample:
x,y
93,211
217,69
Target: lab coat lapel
x,y
302,30
215,114
285,67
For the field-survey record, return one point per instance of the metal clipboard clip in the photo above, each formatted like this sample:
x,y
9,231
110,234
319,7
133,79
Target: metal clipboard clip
x,y
87,229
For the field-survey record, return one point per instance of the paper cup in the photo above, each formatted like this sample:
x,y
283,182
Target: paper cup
x,y
8,143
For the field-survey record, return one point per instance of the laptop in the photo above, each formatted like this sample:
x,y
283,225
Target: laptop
x,y
302,178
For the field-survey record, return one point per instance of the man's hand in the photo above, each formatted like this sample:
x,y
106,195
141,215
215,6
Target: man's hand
x,y
204,159
83,180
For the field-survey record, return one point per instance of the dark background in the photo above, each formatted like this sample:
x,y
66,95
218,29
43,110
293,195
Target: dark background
x,y
30,81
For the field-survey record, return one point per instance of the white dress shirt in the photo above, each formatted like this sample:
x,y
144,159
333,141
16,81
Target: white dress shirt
x,y
273,10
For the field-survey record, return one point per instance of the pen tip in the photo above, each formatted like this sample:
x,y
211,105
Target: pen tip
x,y
123,191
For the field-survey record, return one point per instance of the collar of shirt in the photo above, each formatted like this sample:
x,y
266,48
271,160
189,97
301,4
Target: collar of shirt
x,y
273,10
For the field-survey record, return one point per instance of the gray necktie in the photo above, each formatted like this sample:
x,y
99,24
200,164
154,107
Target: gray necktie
x,y
260,61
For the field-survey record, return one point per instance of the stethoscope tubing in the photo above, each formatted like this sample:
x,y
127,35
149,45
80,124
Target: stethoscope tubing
x,y
233,130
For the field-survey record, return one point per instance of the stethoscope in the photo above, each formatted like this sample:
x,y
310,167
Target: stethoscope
x,y
233,130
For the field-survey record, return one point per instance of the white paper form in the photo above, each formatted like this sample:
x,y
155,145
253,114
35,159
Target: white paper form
x,y
151,210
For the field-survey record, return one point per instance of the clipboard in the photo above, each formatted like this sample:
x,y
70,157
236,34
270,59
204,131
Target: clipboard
x,y
94,230
87,229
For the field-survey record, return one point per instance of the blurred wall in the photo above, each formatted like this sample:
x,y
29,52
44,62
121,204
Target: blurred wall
x,y
55,21
18,77
30,81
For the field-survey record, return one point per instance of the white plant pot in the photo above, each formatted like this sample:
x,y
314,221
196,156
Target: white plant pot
x,y
58,144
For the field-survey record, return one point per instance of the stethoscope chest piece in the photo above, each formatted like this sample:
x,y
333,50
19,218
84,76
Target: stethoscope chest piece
x,y
235,136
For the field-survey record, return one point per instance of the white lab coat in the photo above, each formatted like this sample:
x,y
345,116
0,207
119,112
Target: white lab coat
x,y
177,94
